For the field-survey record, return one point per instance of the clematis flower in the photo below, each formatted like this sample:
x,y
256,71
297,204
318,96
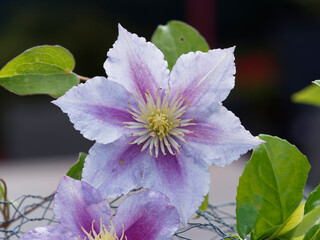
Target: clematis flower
x,y
84,215
155,128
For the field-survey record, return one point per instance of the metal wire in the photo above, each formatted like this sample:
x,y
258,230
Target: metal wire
x,y
29,211
216,220
25,210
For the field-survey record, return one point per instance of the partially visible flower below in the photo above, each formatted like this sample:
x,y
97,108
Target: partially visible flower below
x,y
84,215
154,128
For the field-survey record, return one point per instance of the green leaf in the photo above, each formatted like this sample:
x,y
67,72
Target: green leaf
x,y
317,82
204,204
290,223
231,237
313,233
76,170
309,220
309,95
313,200
40,70
2,192
270,188
297,238
176,38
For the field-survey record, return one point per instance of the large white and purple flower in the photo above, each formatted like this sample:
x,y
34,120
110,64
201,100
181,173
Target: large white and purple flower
x,y
157,129
84,214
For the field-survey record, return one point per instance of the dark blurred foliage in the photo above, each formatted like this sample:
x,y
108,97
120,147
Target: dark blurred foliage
x,y
277,54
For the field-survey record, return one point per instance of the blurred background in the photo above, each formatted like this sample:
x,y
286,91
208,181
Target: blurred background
x,y
277,54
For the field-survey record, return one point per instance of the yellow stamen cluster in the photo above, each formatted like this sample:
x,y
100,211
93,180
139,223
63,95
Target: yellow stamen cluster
x,y
104,234
158,123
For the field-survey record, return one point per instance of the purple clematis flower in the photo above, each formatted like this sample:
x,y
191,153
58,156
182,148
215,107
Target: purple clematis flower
x,y
157,129
84,214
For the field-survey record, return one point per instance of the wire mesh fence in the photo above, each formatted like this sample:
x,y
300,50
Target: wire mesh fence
x,y
24,213
29,211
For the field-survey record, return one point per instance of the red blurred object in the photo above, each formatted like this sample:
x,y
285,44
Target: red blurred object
x,y
256,68
201,15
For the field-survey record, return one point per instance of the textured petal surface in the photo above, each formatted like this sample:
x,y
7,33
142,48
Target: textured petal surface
x,y
115,168
119,167
204,77
97,109
219,137
184,179
56,232
136,64
147,215
77,204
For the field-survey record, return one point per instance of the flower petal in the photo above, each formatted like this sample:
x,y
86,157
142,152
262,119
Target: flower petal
x,y
136,64
77,204
118,167
204,77
114,168
56,232
147,215
219,137
184,179
97,109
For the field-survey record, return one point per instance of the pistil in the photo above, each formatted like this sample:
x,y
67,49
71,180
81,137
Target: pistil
x,y
158,124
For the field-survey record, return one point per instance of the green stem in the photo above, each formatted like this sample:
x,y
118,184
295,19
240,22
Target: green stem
x,y
6,209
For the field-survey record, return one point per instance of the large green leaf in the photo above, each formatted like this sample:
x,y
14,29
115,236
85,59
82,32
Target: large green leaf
x,y
313,200
270,188
40,70
76,170
176,38
309,95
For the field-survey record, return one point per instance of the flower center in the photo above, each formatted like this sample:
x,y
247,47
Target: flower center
x,y
104,234
159,124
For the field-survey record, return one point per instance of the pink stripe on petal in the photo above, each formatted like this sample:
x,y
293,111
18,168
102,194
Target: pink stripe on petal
x,y
115,168
204,77
219,137
136,64
147,215
175,177
203,132
77,204
97,109
110,115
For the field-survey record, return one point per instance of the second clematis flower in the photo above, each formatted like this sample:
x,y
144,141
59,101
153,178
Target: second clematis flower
x,y
84,215
155,128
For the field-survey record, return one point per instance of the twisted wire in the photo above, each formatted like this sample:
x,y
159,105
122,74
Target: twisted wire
x,y
30,208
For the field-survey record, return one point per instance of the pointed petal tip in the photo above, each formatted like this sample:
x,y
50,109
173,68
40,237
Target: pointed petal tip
x,y
260,140
230,50
120,28
136,63
55,102
123,31
256,141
